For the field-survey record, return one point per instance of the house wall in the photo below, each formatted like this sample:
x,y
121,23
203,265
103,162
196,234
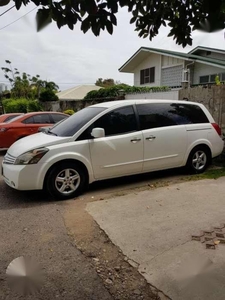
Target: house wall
x,y
153,60
170,95
164,65
201,69
171,61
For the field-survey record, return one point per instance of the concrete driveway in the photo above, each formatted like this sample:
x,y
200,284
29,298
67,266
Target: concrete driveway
x,y
154,230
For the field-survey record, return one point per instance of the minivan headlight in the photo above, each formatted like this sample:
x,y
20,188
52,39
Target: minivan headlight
x,y
31,157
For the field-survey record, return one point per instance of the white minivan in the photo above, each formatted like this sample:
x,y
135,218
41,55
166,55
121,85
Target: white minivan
x,y
113,139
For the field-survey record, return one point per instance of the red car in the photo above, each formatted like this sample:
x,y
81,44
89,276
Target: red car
x,y
26,124
7,117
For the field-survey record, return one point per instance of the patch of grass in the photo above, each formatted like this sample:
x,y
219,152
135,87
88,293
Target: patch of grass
x,y
213,173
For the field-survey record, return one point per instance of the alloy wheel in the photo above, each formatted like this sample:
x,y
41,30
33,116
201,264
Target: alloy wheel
x,y
199,160
67,181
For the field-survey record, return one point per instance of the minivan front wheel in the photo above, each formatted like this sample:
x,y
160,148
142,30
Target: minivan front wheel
x,y
66,180
199,160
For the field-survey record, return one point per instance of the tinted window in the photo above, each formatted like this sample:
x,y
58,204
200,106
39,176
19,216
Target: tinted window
x,y
187,114
57,117
38,119
119,121
74,123
14,119
29,120
42,119
10,118
154,115
165,114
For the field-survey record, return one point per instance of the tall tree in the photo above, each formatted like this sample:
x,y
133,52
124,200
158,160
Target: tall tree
x,y
24,85
105,82
182,16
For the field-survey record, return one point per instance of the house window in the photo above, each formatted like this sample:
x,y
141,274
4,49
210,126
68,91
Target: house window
x,y
204,79
147,75
210,78
223,76
213,78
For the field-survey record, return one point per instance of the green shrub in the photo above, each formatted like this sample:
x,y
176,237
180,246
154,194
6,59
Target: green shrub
x,y
21,105
69,112
34,105
48,95
116,90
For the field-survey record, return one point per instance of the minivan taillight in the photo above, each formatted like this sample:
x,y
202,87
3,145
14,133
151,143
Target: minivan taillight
x,y
217,128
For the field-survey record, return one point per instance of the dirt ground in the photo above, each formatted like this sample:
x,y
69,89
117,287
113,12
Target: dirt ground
x,y
119,274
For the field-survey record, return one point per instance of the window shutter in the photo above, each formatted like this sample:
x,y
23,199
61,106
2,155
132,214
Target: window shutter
x,y
142,76
152,74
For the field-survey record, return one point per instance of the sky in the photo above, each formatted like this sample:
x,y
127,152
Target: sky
x,y
71,58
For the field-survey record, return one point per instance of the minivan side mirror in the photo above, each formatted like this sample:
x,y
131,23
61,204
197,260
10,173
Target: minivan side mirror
x,y
98,132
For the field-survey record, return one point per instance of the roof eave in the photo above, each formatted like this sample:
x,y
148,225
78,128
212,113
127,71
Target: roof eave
x,y
143,49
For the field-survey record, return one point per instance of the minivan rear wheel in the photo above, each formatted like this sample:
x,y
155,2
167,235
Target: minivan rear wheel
x,y
198,160
66,180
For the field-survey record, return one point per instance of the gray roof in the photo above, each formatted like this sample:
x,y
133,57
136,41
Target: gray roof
x,y
206,49
143,52
77,92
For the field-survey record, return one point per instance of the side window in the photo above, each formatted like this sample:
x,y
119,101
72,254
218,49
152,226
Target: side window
x,y
118,121
9,118
57,117
29,120
42,119
188,114
154,115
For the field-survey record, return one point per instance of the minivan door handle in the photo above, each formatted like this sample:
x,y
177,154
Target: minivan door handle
x,y
150,138
135,140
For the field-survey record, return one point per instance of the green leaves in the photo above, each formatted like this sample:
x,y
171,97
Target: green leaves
x,y
4,2
85,26
148,15
109,27
43,18
115,91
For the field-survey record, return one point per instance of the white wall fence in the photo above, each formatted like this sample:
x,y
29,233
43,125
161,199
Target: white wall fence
x,y
170,95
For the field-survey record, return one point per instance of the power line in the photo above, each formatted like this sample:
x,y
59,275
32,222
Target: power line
x,y
18,19
7,10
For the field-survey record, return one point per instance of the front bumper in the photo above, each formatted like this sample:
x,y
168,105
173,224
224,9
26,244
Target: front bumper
x,y
21,177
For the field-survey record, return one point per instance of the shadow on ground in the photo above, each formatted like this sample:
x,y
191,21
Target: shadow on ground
x,y
11,198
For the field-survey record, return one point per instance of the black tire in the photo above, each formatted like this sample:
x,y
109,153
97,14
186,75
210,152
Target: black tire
x,y
198,160
59,171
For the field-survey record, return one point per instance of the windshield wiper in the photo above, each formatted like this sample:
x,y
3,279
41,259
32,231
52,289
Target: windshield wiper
x,y
50,132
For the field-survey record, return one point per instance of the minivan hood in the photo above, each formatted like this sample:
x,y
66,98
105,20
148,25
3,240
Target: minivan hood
x,y
34,141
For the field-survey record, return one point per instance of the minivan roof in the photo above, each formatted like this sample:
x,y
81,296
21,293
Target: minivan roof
x,y
138,101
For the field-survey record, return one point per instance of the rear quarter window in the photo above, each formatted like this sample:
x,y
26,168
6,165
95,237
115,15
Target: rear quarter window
x,y
187,114
155,115
57,117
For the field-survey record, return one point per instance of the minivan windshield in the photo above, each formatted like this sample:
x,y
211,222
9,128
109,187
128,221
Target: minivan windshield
x,y
74,123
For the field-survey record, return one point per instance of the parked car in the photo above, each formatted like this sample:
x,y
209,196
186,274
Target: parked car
x,y
25,125
7,117
113,139
47,128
